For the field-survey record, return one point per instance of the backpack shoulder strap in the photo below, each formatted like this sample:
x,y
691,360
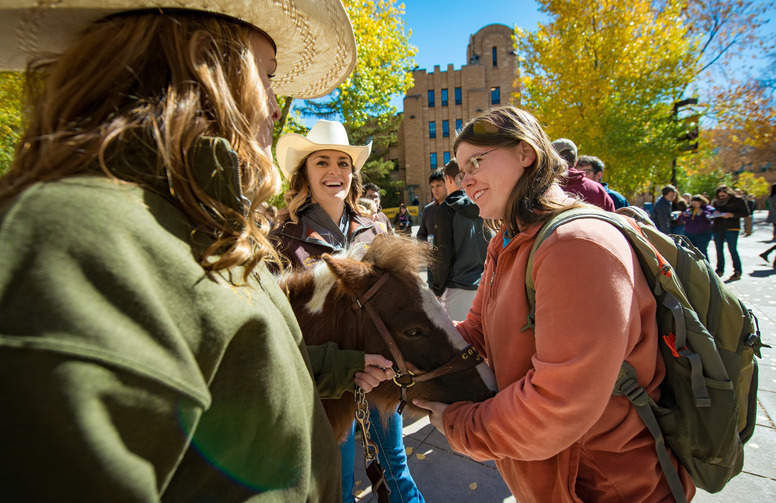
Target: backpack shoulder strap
x,y
628,386
546,230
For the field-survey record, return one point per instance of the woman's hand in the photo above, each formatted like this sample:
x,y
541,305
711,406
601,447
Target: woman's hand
x,y
376,370
436,412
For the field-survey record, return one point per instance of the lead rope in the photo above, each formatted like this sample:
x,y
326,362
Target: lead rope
x,y
374,471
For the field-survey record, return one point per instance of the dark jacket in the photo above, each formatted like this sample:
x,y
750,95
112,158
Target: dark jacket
x,y
577,184
157,380
303,246
735,205
460,244
661,215
428,220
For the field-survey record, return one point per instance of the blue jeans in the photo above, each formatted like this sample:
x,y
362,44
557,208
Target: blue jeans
x,y
701,241
391,455
731,238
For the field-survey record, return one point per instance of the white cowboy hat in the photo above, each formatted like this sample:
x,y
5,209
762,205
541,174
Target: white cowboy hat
x,y
292,148
316,49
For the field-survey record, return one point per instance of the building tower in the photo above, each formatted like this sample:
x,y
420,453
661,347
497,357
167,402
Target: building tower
x,y
440,103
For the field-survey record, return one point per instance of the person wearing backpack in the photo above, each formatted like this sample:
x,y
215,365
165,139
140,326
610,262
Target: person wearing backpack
x,y
554,428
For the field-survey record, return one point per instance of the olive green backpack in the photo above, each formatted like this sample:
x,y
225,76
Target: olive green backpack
x,y
708,340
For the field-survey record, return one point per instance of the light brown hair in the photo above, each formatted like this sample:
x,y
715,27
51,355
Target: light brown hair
x,y
529,203
177,77
299,190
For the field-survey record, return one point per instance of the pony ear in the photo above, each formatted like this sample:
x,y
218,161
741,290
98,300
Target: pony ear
x,y
351,274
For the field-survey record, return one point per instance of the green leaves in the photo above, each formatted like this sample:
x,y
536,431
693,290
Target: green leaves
x,y
383,70
605,74
363,101
11,84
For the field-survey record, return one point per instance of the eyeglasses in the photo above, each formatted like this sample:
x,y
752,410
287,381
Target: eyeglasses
x,y
472,166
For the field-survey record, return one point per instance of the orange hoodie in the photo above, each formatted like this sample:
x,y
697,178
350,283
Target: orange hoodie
x,y
554,429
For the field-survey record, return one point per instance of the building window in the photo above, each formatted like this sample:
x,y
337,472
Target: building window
x,y
495,95
495,56
445,129
446,157
431,98
432,129
433,160
458,124
444,97
457,95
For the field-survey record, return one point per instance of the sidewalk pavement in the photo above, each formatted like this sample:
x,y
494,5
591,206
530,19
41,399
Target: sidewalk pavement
x,y
445,476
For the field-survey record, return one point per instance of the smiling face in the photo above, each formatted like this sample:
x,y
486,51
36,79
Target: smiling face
x,y
491,186
264,55
330,174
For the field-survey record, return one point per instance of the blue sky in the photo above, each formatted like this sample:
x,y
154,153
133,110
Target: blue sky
x,y
441,35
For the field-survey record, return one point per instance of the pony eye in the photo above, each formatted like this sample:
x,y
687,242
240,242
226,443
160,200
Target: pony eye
x,y
414,333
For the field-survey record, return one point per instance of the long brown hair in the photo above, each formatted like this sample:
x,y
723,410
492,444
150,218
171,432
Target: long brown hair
x,y
528,202
177,76
299,191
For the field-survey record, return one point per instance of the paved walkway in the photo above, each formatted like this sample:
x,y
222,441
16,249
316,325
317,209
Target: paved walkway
x,y
448,477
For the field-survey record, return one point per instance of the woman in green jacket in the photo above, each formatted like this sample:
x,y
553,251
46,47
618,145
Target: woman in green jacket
x,y
146,353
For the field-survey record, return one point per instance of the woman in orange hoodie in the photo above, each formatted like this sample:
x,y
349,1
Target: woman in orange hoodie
x,y
554,429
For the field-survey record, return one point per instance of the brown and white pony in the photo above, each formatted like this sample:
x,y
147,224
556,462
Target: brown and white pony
x,y
387,278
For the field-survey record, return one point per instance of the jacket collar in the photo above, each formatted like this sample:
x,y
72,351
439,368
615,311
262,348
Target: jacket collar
x,y
302,232
213,162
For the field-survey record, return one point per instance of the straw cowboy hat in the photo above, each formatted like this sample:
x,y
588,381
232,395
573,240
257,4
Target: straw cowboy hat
x,y
325,135
316,49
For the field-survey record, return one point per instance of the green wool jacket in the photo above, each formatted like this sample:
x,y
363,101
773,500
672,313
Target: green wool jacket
x,y
128,373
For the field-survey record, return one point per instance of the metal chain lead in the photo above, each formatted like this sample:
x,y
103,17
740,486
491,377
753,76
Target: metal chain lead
x,y
363,418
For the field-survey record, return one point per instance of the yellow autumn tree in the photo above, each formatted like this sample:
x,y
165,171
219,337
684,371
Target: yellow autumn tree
x,y
383,69
10,116
363,101
751,184
605,74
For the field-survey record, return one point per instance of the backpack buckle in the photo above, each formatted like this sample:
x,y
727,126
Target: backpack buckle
x,y
634,392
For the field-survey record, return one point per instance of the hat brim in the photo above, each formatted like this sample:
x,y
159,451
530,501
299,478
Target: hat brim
x,y
316,48
292,148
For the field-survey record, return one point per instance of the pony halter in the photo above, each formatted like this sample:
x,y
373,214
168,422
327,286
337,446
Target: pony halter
x,y
405,378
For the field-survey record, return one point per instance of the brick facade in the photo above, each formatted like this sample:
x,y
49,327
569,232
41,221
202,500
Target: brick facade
x,y
489,79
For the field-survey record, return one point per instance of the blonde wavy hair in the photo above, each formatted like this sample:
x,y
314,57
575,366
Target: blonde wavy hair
x,y
177,76
299,191
528,203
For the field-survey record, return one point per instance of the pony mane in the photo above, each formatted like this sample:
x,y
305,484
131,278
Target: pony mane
x,y
388,252
398,254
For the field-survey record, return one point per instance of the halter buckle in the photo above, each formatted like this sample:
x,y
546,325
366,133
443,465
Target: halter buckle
x,y
398,375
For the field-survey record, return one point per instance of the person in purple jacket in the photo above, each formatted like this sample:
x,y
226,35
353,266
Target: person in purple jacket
x,y
697,223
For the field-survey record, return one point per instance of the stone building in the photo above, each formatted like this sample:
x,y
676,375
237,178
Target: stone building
x,y
440,102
